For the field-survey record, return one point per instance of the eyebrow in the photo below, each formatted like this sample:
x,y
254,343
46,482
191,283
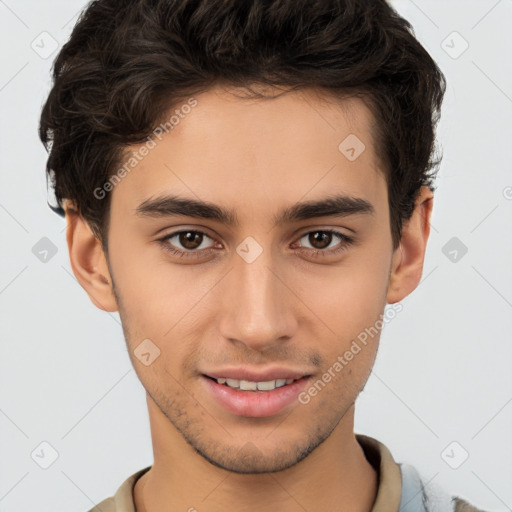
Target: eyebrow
x,y
333,206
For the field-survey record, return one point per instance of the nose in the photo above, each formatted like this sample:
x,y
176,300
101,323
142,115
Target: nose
x,y
257,307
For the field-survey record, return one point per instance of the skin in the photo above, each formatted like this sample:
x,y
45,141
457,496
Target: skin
x,y
288,306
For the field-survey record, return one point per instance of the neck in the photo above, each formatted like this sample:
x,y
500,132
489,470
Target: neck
x,y
334,476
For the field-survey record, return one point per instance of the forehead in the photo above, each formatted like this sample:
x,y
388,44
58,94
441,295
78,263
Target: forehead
x,y
244,152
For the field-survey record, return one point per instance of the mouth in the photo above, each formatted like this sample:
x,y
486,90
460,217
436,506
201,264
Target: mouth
x,y
255,398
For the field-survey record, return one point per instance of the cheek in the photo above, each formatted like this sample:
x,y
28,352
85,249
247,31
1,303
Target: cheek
x,y
161,302
347,306
346,299
154,293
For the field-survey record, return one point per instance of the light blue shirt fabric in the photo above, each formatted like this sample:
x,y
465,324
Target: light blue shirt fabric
x,y
417,496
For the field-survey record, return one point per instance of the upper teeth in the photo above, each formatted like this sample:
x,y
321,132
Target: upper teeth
x,y
246,385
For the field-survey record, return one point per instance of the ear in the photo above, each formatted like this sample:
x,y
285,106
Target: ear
x,y
88,261
407,264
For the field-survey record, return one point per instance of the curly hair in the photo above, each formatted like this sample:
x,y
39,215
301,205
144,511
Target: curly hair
x,y
128,62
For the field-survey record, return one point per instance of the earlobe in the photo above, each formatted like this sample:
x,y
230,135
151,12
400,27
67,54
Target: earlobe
x,y
88,262
408,258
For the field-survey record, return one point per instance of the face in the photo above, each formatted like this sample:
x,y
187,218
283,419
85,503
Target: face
x,y
212,294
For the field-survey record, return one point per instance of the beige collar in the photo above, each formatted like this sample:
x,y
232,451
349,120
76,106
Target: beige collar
x,y
377,454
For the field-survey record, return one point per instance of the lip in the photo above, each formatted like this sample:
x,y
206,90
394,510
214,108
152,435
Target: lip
x,y
255,404
246,373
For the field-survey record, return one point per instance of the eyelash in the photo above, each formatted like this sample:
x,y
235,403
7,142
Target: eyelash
x,y
346,241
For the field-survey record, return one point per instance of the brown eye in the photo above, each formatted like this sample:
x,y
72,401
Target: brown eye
x,y
320,242
190,239
187,243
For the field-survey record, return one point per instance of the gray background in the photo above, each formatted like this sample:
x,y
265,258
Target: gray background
x,y
442,374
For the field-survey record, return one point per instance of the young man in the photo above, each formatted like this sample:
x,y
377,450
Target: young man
x,y
249,183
